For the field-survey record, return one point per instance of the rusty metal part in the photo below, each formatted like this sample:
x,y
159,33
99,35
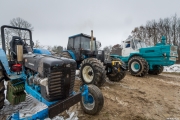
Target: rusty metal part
x,y
63,105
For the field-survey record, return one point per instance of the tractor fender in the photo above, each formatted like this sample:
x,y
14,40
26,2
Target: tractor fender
x,y
4,61
71,54
134,54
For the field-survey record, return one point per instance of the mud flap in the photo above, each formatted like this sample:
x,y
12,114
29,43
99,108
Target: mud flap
x,y
59,107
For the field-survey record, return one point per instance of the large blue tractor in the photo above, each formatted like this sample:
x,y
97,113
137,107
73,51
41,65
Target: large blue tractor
x,y
48,79
141,59
94,66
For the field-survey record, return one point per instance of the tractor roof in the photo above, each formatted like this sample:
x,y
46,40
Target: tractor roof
x,y
81,34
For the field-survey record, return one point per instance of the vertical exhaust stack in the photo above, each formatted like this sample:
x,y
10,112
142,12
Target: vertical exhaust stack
x,y
163,40
91,40
19,53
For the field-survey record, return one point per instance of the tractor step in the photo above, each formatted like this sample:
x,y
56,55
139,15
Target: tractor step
x,y
59,107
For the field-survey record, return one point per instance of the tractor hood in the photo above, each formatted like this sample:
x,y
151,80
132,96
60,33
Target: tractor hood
x,y
160,51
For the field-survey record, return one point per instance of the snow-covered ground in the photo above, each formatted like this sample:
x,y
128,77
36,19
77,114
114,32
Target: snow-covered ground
x,y
30,107
172,68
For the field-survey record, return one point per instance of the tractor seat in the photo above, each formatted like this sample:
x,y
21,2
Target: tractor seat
x,y
13,46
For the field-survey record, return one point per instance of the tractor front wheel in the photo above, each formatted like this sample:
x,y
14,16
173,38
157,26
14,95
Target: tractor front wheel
x,y
138,66
94,102
157,69
92,71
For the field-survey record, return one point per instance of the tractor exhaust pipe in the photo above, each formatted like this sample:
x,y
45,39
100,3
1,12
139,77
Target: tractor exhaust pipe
x,y
91,40
163,40
19,53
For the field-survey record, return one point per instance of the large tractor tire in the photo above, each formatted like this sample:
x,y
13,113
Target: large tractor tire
x,y
157,69
95,101
116,77
138,66
66,55
2,88
92,71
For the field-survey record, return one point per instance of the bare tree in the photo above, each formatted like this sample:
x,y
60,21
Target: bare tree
x,y
107,49
57,49
167,23
49,48
174,29
37,44
19,22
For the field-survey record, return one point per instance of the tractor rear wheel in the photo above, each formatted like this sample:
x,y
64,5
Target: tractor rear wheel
x,y
116,77
66,55
2,88
95,101
92,71
138,66
157,69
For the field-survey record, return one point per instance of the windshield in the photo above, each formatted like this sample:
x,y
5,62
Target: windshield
x,y
10,32
86,43
139,44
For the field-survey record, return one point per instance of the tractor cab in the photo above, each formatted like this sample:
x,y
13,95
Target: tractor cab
x,y
132,45
84,46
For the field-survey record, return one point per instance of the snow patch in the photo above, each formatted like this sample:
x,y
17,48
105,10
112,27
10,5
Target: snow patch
x,y
172,68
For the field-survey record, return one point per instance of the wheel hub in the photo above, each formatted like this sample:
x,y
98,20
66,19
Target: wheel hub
x,y
89,105
88,74
135,66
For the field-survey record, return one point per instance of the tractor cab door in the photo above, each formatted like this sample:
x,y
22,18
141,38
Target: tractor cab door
x,y
74,46
77,45
128,47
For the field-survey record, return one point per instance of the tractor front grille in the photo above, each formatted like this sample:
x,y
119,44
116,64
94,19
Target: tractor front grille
x,y
60,82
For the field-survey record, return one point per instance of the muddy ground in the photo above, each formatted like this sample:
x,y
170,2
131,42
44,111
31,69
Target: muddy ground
x,y
154,97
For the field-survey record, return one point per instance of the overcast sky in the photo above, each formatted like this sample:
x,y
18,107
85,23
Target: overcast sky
x,y
111,20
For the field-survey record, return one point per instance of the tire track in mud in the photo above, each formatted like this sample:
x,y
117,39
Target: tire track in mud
x,y
141,93
140,98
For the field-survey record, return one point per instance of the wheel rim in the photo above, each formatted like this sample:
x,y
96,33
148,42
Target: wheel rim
x,y
88,74
135,66
90,104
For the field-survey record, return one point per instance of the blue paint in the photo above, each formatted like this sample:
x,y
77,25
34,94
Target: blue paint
x,y
71,54
15,116
75,35
85,93
41,115
41,51
90,99
4,61
37,95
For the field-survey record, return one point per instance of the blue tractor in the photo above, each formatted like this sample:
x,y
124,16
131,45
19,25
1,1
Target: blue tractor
x,y
48,79
93,65
141,59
